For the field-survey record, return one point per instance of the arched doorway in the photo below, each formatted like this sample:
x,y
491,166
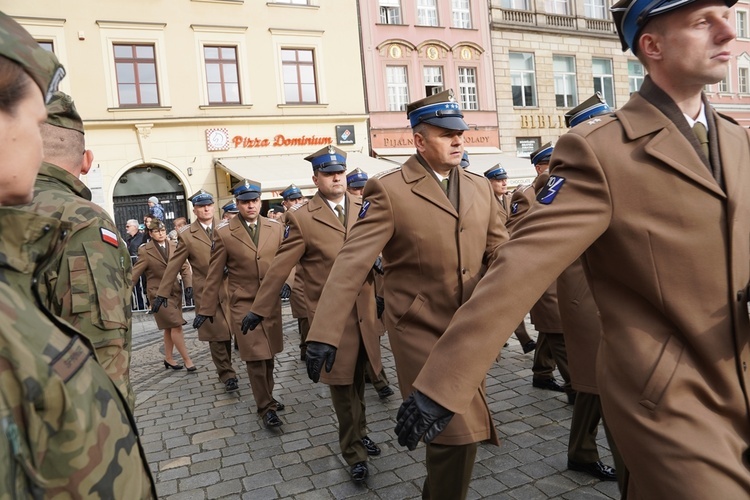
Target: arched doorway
x,y
133,189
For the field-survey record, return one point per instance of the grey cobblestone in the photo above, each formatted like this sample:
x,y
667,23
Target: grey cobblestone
x,y
205,443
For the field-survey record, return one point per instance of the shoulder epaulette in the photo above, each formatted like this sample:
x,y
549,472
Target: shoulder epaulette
x,y
296,207
183,229
222,224
273,220
386,172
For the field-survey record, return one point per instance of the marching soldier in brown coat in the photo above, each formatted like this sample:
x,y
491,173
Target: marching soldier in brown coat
x,y
194,245
152,261
245,246
662,218
436,225
314,234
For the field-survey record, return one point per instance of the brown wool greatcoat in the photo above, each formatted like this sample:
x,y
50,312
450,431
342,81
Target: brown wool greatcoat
x,y
667,256
432,257
195,246
151,263
247,266
314,238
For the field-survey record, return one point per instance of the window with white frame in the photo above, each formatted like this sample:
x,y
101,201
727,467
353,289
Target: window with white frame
x,y
566,95
522,79
461,14
741,17
604,80
723,85
467,88
298,69
398,88
46,45
558,7
636,74
222,76
742,80
595,9
433,80
390,12
135,70
515,4
427,13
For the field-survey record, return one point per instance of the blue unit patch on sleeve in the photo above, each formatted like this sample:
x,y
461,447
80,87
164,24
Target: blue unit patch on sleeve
x,y
363,211
550,190
286,231
514,208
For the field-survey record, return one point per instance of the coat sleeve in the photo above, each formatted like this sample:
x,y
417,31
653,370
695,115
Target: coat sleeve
x,y
545,242
174,266
214,276
496,232
141,264
353,264
290,252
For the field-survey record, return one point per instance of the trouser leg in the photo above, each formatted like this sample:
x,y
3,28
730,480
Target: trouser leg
x,y
221,354
544,364
303,324
260,374
349,404
583,428
448,471
521,334
620,469
556,344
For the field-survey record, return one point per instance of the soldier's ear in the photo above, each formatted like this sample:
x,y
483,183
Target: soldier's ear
x,y
88,160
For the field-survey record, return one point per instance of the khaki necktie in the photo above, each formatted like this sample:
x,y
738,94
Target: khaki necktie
x,y
700,132
253,234
163,250
444,185
340,214
210,232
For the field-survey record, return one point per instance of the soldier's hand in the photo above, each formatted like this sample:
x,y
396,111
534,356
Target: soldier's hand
x,y
318,354
420,416
158,302
250,321
378,266
189,293
286,291
199,319
380,305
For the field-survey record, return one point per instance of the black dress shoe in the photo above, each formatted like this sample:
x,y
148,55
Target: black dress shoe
x,y
529,346
279,405
550,384
359,472
175,366
270,419
231,385
385,392
370,446
596,469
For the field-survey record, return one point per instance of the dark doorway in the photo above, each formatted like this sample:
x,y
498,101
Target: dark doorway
x,y
134,188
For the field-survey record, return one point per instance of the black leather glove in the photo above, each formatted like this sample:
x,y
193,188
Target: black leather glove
x,y
420,416
286,291
380,305
250,321
378,266
199,319
317,354
158,302
189,293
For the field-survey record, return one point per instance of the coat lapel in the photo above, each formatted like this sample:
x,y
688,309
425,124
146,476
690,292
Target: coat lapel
x,y
734,161
467,193
238,229
322,213
353,206
641,118
265,231
424,186
199,233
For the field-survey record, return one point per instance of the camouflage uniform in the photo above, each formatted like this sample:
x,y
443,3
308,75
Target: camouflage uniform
x,y
65,431
89,282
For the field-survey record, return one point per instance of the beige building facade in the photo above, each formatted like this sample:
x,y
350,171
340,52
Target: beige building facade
x,y
178,96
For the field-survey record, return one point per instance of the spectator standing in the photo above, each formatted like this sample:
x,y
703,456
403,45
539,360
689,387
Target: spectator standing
x,y
155,209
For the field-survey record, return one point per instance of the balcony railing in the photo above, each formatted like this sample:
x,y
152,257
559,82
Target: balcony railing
x,y
518,16
561,21
602,25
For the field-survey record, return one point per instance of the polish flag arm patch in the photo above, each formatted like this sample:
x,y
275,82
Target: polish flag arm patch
x,y
109,237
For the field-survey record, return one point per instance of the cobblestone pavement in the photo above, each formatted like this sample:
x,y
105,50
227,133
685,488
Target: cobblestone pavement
x,y
203,443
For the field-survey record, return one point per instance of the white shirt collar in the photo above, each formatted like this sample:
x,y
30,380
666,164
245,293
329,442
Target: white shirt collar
x,y
700,119
333,205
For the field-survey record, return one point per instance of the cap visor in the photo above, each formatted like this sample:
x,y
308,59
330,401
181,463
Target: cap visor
x,y
448,122
333,168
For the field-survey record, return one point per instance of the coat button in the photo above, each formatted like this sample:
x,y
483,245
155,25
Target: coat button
x,y
463,270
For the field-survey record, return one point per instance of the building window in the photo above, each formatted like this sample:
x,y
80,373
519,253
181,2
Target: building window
x,y
723,85
135,67
522,79
398,88
558,7
433,80
461,14
515,4
741,24
636,74
604,80
298,67
566,95
427,13
742,80
467,88
222,77
390,12
48,46
595,9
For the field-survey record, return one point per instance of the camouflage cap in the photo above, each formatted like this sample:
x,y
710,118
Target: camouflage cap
x,y
156,224
41,65
61,112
